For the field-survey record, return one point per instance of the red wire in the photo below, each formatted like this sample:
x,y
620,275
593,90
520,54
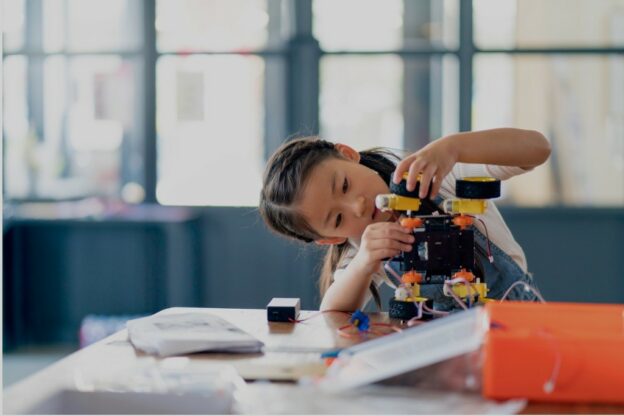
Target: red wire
x,y
487,236
342,330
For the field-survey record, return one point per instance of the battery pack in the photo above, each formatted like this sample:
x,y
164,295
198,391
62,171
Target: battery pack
x,y
283,309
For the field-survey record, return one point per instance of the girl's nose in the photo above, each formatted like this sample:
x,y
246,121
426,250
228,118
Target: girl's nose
x,y
359,206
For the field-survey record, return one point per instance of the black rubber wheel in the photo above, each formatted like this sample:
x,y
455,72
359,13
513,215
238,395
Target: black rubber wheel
x,y
477,188
402,310
401,190
407,310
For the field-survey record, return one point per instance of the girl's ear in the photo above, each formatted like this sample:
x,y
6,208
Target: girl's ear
x,y
348,152
330,241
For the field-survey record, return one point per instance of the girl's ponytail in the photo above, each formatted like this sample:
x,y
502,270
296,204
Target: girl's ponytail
x,y
333,256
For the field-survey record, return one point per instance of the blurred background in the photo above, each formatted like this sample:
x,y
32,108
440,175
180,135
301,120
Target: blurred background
x,y
135,133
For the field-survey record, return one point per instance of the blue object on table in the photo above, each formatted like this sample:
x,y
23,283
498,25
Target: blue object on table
x,y
360,320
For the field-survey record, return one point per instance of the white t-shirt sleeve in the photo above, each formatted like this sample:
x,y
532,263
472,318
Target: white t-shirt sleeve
x,y
462,170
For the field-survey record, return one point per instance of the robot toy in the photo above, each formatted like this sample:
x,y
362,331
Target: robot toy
x,y
443,250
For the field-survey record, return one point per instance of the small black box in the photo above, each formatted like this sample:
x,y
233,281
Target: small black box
x,y
283,309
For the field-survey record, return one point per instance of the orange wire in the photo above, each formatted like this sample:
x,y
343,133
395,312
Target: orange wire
x,y
342,330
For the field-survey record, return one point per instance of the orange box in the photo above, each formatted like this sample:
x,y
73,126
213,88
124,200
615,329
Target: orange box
x,y
559,352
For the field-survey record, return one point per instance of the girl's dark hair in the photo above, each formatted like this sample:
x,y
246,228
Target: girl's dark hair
x,y
285,176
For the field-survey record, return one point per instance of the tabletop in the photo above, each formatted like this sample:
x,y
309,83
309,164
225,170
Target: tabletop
x,y
292,351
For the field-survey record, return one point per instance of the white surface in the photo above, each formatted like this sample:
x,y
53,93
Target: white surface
x,y
268,398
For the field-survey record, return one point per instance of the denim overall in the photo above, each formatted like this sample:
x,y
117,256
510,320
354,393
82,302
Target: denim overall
x,y
498,276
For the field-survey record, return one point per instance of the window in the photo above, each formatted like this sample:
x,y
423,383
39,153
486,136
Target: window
x,y
210,129
210,100
71,99
575,101
180,102
383,81
565,80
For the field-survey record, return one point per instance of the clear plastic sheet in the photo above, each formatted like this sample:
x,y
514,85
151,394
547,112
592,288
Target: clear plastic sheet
x,y
170,375
171,385
272,398
462,374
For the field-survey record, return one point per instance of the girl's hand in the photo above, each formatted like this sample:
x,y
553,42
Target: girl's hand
x,y
435,161
382,240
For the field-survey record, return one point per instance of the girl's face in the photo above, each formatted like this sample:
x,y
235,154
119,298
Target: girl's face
x,y
338,199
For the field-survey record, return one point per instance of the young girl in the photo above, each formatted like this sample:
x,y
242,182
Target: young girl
x,y
314,190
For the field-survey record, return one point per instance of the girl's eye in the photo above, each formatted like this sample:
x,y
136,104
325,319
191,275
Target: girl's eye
x,y
338,220
345,186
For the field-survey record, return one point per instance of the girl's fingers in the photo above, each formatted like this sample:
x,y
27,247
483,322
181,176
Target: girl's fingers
x,y
401,167
400,236
425,181
388,243
412,177
386,227
397,232
435,185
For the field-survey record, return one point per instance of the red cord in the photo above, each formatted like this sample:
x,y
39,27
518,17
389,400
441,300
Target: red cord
x,y
342,331
487,238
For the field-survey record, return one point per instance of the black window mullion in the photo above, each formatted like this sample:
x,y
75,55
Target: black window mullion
x,y
275,88
303,72
417,77
466,56
150,56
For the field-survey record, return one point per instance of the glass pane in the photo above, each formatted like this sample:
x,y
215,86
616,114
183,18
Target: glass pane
x,y
99,122
88,116
539,23
449,97
361,100
208,25
95,25
372,24
19,142
54,12
13,24
384,25
210,130
578,103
